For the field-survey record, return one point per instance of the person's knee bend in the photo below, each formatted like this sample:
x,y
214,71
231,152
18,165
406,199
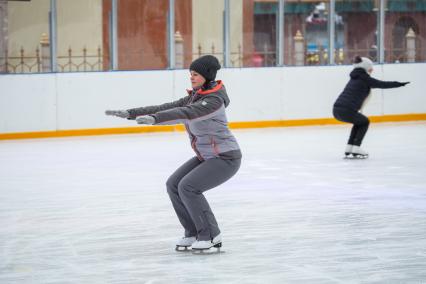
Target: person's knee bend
x,y
364,121
185,187
171,186
367,122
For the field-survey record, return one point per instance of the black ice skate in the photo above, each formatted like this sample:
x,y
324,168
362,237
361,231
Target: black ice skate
x,y
208,247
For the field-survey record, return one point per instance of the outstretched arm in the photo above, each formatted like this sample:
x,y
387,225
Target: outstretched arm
x,y
374,83
201,110
135,112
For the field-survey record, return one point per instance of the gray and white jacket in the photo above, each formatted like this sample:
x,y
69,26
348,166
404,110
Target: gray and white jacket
x,y
203,114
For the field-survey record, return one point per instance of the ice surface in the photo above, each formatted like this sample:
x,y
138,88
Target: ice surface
x,y
95,209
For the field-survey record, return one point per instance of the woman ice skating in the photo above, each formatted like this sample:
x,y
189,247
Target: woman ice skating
x,y
218,156
350,101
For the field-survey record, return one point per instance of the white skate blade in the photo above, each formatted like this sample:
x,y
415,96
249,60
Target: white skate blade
x,y
215,249
183,248
355,157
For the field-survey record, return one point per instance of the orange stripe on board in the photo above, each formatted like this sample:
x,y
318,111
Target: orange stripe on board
x,y
398,117
89,132
282,123
233,125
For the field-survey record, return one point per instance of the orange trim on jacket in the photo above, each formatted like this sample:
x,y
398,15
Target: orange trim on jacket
x,y
201,92
215,89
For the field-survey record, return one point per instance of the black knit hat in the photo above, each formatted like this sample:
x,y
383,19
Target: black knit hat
x,y
206,66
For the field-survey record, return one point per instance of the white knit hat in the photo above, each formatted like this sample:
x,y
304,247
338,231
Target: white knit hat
x,y
365,63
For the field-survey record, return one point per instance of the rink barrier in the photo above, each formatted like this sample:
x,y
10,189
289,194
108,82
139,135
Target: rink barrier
x,y
233,125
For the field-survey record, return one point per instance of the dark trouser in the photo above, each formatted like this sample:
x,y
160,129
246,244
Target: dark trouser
x,y
185,188
360,123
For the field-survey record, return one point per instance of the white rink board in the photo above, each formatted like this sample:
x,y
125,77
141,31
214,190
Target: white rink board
x,y
78,100
27,103
256,93
84,97
410,99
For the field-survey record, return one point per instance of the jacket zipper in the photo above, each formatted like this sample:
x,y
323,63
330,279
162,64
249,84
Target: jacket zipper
x,y
193,141
214,145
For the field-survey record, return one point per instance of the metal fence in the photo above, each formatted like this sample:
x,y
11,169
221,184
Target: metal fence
x,y
84,61
27,62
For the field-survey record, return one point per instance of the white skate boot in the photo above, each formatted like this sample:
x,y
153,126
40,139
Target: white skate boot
x,y
348,150
184,243
359,153
205,246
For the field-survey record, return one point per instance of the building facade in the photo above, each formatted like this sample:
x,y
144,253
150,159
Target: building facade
x,y
101,35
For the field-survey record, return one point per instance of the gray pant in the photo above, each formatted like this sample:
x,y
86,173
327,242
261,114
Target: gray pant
x,y
185,188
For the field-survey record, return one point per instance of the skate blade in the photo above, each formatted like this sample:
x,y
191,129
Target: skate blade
x,y
216,249
207,251
355,157
183,248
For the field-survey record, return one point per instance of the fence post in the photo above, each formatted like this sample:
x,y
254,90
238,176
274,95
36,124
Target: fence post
x,y
38,60
22,57
299,49
240,57
265,54
179,56
410,50
323,54
45,53
3,35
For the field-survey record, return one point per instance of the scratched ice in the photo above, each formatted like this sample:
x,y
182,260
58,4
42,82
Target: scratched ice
x,y
95,209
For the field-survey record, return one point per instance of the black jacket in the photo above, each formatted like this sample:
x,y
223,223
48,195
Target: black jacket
x,y
358,88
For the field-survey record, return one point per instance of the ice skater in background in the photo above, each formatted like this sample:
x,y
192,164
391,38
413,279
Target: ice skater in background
x,y
218,156
349,103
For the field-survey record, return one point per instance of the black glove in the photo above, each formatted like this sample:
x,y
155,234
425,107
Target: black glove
x,y
404,83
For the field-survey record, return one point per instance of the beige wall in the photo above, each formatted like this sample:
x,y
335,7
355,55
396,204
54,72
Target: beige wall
x,y
236,31
26,22
207,26
79,25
